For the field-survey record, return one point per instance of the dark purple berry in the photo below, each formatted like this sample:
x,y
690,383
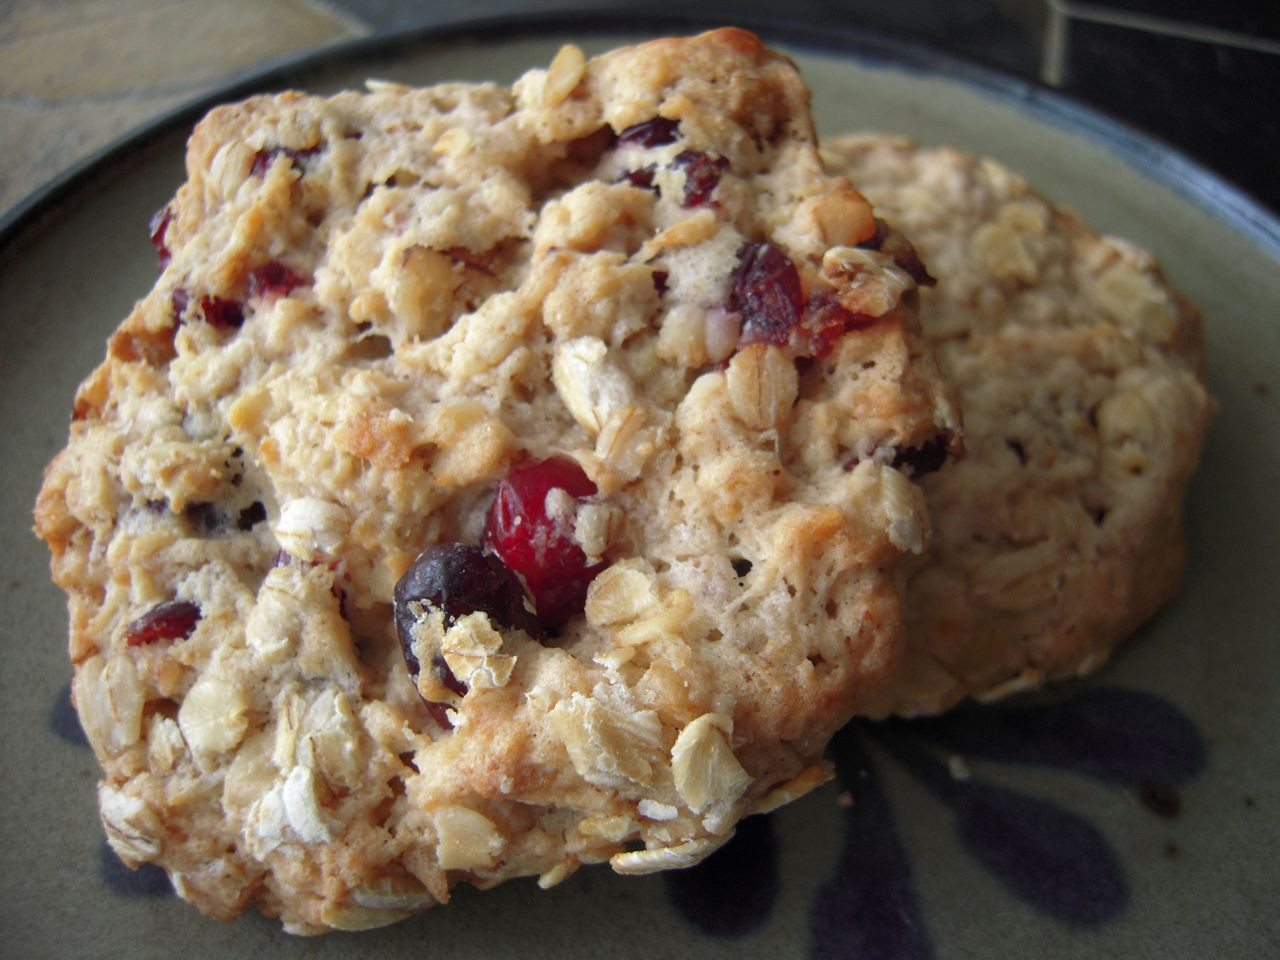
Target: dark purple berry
x,y
660,281
273,278
204,518
458,579
914,461
765,290
222,313
651,133
252,515
172,620
917,461
701,175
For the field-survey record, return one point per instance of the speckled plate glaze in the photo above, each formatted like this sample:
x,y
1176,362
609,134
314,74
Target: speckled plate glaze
x,y
1131,815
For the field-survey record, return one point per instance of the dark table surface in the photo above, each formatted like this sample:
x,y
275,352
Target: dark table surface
x,y
1201,75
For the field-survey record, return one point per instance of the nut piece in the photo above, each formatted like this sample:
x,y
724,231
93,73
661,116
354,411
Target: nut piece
x,y
563,75
421,291
214,715
845,218
705,770
762,385
639,862
467,840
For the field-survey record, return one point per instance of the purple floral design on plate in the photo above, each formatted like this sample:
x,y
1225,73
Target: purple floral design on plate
x,y
1048,857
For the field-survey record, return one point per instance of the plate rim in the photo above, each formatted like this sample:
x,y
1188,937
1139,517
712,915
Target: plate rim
x,y
1146,153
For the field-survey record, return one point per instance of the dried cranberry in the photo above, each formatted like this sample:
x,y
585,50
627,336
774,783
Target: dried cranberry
x,y
917,461
651,133
660,280
273,278
827,321
172,620
264,158
204,517
765,290
159,227
459,579
701,175
914,461
538,544
222,313
252,515
643,177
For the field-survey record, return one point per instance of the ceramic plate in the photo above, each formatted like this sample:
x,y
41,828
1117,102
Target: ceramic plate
x,y
1134,814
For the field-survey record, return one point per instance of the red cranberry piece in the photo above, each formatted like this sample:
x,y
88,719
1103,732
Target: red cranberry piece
x,y
264,158
159,227
827,322
642,178
222,313
651,133
660,280
766,292
538,545
172,620
273,278
701,175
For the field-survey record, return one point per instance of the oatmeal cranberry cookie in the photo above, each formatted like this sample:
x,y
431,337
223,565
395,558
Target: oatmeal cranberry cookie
x,y
495,481
1080,375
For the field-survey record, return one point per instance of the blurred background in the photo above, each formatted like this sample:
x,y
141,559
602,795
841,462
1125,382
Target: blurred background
x,y
1202,75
